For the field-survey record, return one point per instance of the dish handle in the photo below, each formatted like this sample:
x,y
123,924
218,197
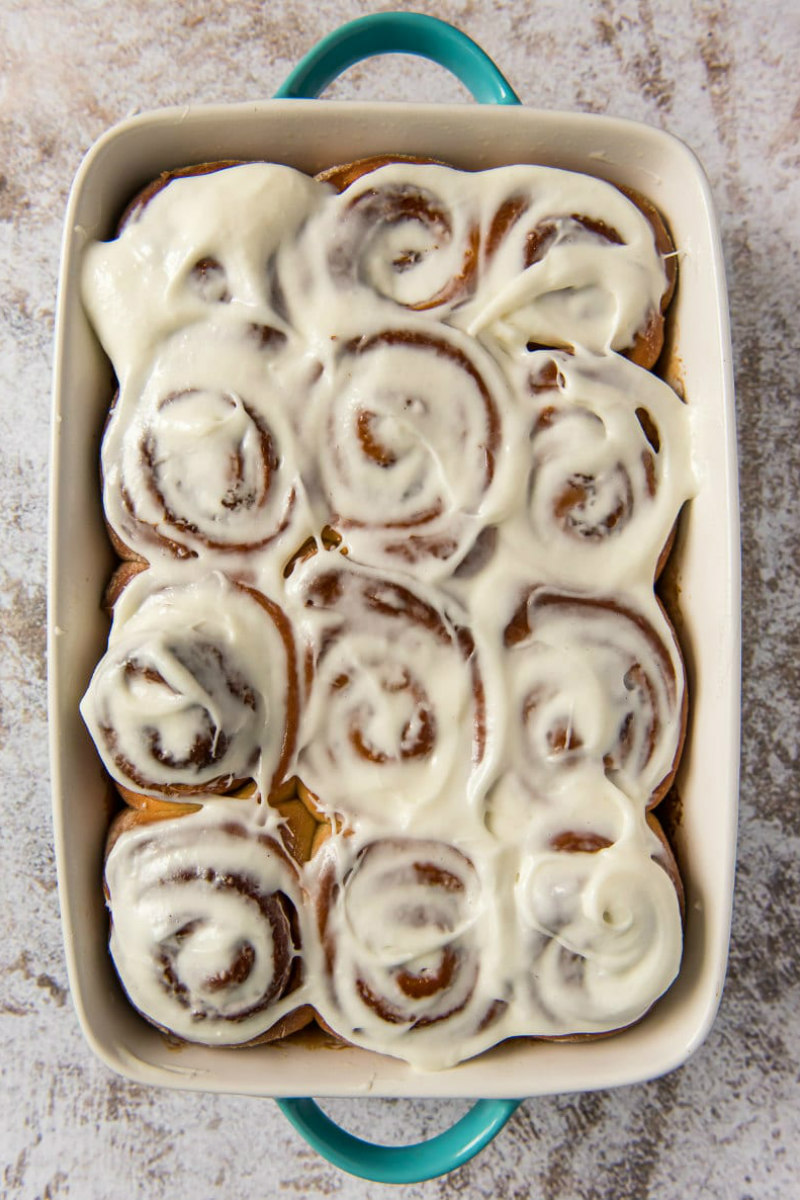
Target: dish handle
x,y
399,1164
398,33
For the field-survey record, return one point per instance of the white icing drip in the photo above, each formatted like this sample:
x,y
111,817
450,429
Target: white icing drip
x,y
431,531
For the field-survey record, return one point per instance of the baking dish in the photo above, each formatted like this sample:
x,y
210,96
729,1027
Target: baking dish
x,y
311,135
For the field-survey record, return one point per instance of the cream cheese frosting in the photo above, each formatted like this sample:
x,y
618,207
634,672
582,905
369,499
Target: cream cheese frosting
x,y
469,670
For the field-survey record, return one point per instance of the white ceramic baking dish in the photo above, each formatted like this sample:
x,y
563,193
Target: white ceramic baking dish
x,y
310,135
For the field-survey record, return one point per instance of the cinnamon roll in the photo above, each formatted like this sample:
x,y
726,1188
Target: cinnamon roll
x,y
570,261
199,245
403,922
596,680
608,471
417,443
206,924
395,714
201,456
602,930
406,231
179,705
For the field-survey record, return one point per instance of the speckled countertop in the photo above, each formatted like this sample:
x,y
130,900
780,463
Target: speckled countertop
x,y
723,76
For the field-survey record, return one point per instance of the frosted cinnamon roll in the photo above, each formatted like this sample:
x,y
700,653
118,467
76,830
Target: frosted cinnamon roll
x,y
601,930
200,456
201,243
403,926
405,230
609,470
206,924
179,704
569,260
394,718
594,680
416,442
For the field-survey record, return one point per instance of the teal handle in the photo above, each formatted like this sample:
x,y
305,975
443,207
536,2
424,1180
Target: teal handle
x,y
398,33
399,1164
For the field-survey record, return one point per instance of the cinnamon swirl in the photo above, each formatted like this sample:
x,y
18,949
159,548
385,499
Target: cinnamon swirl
x,y
206,924
200,455
403,923
406,230
595,679
602,931
178,705
395,716
416,446
202,245
608,470
571,261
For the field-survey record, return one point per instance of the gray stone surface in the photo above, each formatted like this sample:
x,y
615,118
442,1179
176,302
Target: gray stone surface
x,y
723,76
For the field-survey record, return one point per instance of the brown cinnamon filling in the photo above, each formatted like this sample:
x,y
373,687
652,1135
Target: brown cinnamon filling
x,y
373,449
393,205
418,736
573,842
208,280
573,506
275,908
441,974
238,497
